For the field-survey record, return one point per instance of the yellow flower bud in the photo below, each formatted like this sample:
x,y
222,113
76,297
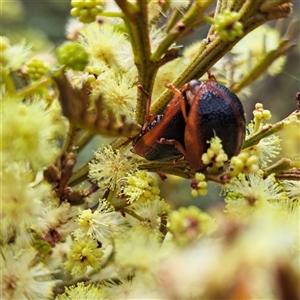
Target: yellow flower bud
x,y
202,185
258,106
199,176
257,114
266,114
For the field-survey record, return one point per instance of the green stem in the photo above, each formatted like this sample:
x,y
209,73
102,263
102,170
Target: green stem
x,y
111,14
187,22
110,196
257,123
72,132
79,175
83,140
262,65
137,24
267,130
120,142
280,166
291,174
235,5
221,5
34,87
249,8
179,169
133,214
175,16
208,19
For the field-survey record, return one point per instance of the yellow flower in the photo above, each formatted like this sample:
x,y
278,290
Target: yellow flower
x,y
84,251
21,278
13,57
291,137
188,224
83,291
28,134
21,203
266,149
247,194
55,223
137,249
140,286
199,185
292,190
215,153
151,212
141,187
103,223
118,91
109,166
106,43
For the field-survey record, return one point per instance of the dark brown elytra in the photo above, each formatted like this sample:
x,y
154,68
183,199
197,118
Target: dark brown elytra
x,y
196,113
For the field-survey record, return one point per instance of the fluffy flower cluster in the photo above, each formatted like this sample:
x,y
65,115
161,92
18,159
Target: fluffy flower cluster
x,y
141,187
109,166
102,224
247,194
266,149
215,153
22,277
188,224
84,252
199,185
28,133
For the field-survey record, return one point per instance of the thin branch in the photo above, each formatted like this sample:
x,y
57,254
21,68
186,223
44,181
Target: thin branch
x,y
133,214
280,166
263,64
292,174
268,130
182,26
71,135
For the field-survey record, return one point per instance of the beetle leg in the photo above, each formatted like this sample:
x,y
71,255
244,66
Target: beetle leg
x,y
178,93
175,143
211,77
176,159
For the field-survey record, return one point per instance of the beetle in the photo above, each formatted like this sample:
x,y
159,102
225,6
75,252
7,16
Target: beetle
x,y
168,126
196,113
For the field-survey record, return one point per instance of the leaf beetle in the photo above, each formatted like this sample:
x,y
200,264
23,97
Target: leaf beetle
x,y
196,113
168,126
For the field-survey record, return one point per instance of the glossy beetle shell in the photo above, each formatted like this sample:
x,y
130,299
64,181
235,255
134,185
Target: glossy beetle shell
x,y
214,111
211,110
